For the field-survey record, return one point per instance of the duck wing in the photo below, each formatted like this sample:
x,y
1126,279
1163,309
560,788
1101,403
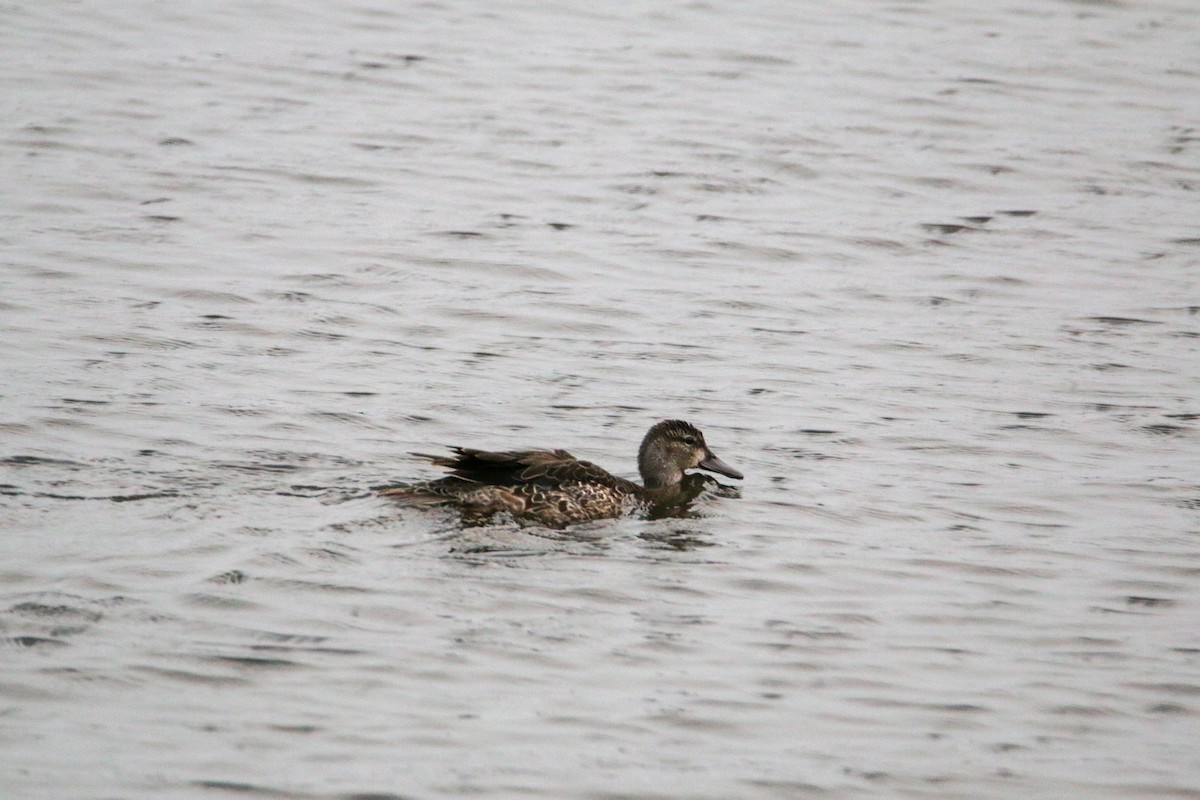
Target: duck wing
x,y
546,467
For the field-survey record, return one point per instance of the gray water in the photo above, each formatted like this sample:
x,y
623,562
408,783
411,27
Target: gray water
x,y
927,272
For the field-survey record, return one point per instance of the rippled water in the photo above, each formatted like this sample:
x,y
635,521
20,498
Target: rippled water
x,y
927,272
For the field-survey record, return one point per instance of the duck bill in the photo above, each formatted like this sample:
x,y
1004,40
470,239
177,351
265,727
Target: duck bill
x,y
714,464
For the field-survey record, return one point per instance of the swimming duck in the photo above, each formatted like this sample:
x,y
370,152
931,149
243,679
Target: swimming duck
x,y
555,489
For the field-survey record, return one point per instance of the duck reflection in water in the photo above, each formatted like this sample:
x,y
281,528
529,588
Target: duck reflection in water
x,y
555,489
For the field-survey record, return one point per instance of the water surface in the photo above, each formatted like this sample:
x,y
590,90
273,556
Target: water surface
x,y
926,272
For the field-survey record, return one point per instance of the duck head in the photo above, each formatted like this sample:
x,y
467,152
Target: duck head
x,y
673,446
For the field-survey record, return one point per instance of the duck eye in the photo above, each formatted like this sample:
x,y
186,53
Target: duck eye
x,y
689,440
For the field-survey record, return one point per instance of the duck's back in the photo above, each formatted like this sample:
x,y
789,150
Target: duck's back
x,y
550,487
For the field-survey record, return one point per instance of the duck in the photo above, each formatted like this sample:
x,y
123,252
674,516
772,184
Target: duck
x,y
555,489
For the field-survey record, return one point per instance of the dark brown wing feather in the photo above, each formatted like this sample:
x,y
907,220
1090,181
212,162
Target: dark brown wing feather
x,y
546,467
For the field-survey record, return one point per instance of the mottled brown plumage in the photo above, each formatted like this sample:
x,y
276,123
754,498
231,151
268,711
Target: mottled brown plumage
x,y
553,488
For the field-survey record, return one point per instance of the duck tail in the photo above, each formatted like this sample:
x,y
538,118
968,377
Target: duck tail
x,y
417,495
